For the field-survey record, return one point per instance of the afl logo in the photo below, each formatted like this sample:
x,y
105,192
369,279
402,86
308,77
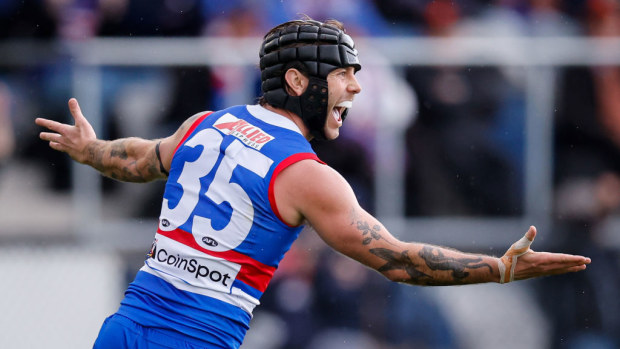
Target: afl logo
x,y
209,241
165,223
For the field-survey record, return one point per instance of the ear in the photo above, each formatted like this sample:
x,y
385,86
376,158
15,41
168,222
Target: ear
x,y
296,82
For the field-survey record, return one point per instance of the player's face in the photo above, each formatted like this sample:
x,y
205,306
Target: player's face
x,y
342,86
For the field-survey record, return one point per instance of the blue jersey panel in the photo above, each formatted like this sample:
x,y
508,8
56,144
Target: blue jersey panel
x,y
152,302
219,238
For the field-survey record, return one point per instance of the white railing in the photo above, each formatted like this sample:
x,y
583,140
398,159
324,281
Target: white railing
x,y
538,56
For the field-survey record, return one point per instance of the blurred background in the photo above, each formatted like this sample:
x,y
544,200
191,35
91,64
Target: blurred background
x,y
477,119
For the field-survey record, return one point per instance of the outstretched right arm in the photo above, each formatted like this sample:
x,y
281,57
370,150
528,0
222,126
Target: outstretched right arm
x,y
127,159
312,192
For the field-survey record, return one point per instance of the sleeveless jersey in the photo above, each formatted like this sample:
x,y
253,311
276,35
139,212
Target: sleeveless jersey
x,y
220,237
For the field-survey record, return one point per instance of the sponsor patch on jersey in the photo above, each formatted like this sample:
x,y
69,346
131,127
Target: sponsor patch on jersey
x,y
194,268
250,135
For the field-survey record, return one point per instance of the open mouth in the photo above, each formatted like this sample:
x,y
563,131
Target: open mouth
x,y
340,108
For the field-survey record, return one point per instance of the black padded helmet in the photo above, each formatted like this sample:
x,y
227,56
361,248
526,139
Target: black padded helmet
x,y
314,48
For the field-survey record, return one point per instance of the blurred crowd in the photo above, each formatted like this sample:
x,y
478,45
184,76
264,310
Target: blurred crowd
x,y
464,137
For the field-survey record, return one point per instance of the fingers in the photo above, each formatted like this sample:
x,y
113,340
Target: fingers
x,y
50,124
71,139
564,270
563,266
55,140
49,136
52,137
561,259
523,245
58,146
58,128
537,264
531,233
560,271
75,110
576,268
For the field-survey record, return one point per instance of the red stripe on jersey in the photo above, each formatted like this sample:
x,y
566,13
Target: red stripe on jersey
x,y
192,128
252,272
281,166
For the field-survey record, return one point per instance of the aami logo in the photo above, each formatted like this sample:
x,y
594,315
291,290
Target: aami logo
x,y
249,134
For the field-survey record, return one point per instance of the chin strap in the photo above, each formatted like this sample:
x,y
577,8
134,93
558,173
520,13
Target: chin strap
x,y
508,262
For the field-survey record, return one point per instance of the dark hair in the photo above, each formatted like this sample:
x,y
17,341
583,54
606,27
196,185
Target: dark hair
x,y
304,20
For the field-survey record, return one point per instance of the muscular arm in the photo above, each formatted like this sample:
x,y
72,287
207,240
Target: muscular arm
x,y
327,202
126,159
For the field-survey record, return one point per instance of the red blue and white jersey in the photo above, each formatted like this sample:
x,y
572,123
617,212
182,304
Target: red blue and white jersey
x,y
220,237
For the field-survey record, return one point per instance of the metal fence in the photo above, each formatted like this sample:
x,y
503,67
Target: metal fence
x,y
539,57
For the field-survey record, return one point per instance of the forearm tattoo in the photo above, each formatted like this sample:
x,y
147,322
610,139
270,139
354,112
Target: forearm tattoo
x,y
127,170
120,165
119,150
434,260
95,155
402,261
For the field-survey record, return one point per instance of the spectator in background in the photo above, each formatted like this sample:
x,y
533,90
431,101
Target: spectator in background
x,y
585,310
7,136
587,137
26,19
149,18
547,18
357,13
587,194
129,91
24,88
492,18
405,16
455,166
235,84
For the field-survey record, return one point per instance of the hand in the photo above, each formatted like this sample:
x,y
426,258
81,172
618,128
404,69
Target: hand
x,y
520,262
73,140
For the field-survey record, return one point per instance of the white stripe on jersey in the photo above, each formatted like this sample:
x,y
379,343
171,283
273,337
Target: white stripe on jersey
x,y
237,297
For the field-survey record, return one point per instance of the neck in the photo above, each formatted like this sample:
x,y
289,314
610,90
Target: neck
x,y
293,117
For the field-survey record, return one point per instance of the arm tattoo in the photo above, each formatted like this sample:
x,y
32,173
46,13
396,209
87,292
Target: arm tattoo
x,y
126,171
399,262
368,232
119,150
436,260
120,165
95,155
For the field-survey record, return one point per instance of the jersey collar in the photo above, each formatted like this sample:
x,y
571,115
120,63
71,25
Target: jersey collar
x,y
272,118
